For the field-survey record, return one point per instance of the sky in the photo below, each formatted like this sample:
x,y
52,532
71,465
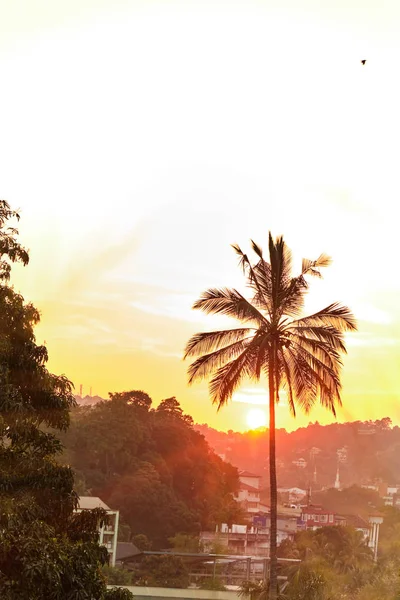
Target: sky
x,y
140,139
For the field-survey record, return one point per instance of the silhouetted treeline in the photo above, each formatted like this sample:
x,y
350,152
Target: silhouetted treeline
x,y
152,465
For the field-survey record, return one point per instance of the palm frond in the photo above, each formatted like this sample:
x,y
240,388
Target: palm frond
x,y
208,363
335,314
326,333
243,260
322,351
287,383
231,303
311,267
253,274
303,385
261,346
321,360
207,341
228,378
281,270
291,300
324,381
257,249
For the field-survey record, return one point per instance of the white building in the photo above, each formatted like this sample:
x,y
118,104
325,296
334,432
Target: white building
x,y
250,540
300,462
342,454
249,492
108,534
295,494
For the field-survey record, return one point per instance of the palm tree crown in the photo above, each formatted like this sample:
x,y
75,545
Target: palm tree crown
x,y
306,349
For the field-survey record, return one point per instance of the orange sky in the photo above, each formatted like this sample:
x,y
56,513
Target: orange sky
x,y
141,139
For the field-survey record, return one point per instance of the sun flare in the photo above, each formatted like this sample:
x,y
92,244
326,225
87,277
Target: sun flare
x,y
256,418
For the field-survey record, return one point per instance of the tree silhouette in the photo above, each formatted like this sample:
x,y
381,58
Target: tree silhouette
x,y
299,354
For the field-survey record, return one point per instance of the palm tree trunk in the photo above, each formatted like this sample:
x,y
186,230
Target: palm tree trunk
x,y
273,563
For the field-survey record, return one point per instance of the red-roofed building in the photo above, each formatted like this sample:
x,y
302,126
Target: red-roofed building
x,y
314,516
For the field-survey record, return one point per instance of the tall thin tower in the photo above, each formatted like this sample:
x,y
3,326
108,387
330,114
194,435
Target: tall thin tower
x,y
337,480
80,390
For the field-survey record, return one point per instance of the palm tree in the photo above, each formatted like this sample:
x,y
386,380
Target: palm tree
x,y
298,354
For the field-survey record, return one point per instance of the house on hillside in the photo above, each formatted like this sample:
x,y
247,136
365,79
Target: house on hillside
x,y
300,462
249,493
249,540
355,521
342,454
108,533
314,516
294,494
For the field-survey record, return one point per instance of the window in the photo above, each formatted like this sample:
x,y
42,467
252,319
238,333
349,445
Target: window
x,y
324,518
316,518
330,518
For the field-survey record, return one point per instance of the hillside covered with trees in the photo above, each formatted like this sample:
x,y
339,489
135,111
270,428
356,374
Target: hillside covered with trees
x,y
364,451
152,465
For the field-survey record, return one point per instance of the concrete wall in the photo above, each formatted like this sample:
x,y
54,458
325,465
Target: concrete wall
x,y
149,593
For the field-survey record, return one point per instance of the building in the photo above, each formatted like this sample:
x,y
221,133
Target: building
x,y
314,516
337,480
300,462
294,494
342,454
249,540
249,493
108,533
126,550
355,521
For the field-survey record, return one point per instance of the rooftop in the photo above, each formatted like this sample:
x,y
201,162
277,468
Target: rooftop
x,y
126,550
248,474
248,488
91,502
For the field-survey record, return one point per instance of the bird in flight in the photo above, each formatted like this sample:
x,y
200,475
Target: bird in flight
x,y
363,62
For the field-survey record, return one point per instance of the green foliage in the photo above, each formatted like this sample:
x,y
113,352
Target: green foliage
x,y
46,549
161,571
343,547
218,546
117,575
186,543
118,594
336,563
10,249
309,583
254,590
141,542
152,466
351,500
213,583
389,536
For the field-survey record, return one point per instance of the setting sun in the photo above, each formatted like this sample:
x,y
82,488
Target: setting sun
x,y
256,418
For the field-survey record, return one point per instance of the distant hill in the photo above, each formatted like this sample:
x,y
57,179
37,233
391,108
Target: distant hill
x,y
88,400
366,452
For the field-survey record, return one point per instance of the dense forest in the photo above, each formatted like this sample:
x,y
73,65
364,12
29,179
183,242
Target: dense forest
x,y
152,465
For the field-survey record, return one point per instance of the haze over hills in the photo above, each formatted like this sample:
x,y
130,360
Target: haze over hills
x,y
365,452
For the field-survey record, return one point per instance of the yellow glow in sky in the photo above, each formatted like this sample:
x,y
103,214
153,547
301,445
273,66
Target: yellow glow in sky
x,y
141,139
256,418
